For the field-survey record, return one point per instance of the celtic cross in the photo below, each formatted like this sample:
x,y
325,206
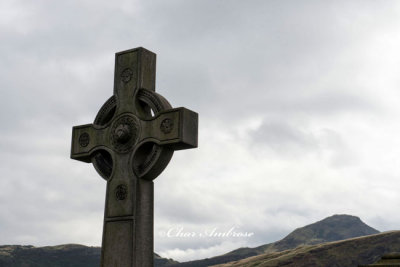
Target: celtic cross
x,y
130,143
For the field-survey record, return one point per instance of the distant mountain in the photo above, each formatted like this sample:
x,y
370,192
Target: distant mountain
x,y
336,227
349,253
58,256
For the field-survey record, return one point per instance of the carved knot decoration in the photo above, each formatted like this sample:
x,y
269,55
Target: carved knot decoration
x,y
124,133
121,192
84,139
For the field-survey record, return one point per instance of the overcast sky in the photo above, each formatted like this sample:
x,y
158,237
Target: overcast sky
x,y
299,105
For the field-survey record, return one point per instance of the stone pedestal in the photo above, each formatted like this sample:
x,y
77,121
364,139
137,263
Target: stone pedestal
x,y
388,260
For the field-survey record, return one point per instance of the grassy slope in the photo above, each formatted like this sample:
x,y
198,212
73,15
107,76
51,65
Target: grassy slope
x,y
350,252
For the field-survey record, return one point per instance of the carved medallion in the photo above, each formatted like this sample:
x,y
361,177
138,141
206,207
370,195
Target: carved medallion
x,y
126,75
124,133
166,126
121,192
84,139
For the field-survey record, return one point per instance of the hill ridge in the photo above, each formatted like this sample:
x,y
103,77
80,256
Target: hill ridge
x,y
350,253
338,226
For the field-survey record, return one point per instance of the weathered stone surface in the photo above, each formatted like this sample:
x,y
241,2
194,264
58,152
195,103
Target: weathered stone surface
x,y
130,143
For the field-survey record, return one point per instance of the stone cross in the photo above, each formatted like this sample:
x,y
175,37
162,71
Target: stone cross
x,y
130,143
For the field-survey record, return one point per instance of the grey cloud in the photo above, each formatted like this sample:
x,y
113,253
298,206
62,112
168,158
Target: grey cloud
x,y
283,138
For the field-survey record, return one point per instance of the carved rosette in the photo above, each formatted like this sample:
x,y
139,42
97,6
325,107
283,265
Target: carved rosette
x,y
167,125
126,75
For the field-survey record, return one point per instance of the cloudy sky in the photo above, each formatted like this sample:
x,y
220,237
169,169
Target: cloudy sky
x,y
299,105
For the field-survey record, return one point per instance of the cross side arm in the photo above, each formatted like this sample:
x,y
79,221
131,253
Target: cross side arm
x,y
176,128
85,139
